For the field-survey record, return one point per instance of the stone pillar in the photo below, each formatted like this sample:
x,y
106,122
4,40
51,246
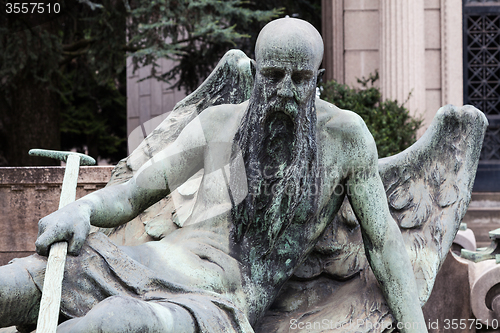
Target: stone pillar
x,y
451,52
403,52
333,36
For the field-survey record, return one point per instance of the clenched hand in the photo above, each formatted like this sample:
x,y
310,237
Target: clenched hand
x,y
70,223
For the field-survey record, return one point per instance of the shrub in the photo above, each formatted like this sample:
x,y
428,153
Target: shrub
x,y
390,123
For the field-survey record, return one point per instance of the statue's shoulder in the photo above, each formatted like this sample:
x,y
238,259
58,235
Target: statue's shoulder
x,y
340,122
223,113
221,121
345,131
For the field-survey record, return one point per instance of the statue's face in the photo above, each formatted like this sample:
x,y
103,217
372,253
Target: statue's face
x,y
288,53
287,78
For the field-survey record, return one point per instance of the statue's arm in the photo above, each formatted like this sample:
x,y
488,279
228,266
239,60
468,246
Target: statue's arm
x,y
382,238
116,205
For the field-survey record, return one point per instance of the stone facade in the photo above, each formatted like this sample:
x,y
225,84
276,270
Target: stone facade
x,y
415,45
29,193
148,98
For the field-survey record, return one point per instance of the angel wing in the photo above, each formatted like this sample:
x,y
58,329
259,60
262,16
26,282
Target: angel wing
x,y
231,82
428,188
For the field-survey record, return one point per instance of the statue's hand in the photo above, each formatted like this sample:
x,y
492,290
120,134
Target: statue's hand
x,y
69,224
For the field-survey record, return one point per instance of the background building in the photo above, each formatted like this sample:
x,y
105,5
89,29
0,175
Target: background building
x,y
440,51
428,53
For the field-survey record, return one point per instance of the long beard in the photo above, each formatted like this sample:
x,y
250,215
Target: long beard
x,y
278,145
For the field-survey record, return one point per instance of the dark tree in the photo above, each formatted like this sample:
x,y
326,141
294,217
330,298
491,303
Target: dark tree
x,y
70,68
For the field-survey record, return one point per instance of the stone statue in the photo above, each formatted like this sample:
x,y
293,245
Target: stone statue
x,y
256,187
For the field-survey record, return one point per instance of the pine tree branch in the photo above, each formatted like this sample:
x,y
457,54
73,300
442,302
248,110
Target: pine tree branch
x,y
128,48
82,43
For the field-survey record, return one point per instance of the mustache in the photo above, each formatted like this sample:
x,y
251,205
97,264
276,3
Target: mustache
x,y
286,105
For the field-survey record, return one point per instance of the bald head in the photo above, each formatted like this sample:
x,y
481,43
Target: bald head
x,y
289,38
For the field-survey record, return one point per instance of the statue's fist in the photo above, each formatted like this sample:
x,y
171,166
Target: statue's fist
x,y
70,223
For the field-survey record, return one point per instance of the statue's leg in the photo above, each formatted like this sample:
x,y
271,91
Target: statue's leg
x,y
19,296
119,314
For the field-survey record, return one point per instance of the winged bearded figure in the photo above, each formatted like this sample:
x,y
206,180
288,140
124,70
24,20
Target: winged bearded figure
x,y
428,187
255,206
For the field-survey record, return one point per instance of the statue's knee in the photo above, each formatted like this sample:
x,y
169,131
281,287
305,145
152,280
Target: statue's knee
x,y
112,311
123,314
108,316
19,296
115,302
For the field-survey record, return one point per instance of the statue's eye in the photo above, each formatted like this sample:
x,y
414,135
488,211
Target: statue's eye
x,y
274,74
297,78
300,77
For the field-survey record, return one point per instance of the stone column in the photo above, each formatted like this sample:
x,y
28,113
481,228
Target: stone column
x,y
333,37
451,52
403,52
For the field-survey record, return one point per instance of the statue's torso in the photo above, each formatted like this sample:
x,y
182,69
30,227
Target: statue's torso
x,y
204,253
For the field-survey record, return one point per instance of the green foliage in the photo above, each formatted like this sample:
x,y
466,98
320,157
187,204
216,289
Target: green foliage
x,y
193,33
390,122
93,116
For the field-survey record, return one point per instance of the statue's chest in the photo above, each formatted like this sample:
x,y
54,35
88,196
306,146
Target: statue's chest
x,y
333,174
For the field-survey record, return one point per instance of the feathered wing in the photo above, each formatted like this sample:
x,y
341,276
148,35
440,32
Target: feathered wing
x,y
231,82
428,188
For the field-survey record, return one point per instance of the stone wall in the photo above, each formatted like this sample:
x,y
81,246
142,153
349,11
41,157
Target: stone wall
x,y
30,193
415,45
148,98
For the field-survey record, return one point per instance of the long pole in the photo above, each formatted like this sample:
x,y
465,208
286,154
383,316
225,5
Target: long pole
x,y
48,317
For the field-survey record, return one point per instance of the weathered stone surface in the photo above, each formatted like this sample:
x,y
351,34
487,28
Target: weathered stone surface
x,y
450,298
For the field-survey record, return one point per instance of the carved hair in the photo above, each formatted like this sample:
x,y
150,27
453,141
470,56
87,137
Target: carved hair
x,y
280,157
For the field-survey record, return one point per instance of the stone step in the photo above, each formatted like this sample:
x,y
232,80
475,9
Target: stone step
x,y
489,196
483,215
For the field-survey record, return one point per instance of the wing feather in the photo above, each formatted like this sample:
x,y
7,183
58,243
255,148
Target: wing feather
x,y
231,82
435,175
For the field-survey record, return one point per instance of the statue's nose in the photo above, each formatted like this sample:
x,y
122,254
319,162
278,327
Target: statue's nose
x,y
285,88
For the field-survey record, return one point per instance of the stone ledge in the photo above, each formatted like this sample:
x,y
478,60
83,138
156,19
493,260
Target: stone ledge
x,y
29,193
483,215
52,175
